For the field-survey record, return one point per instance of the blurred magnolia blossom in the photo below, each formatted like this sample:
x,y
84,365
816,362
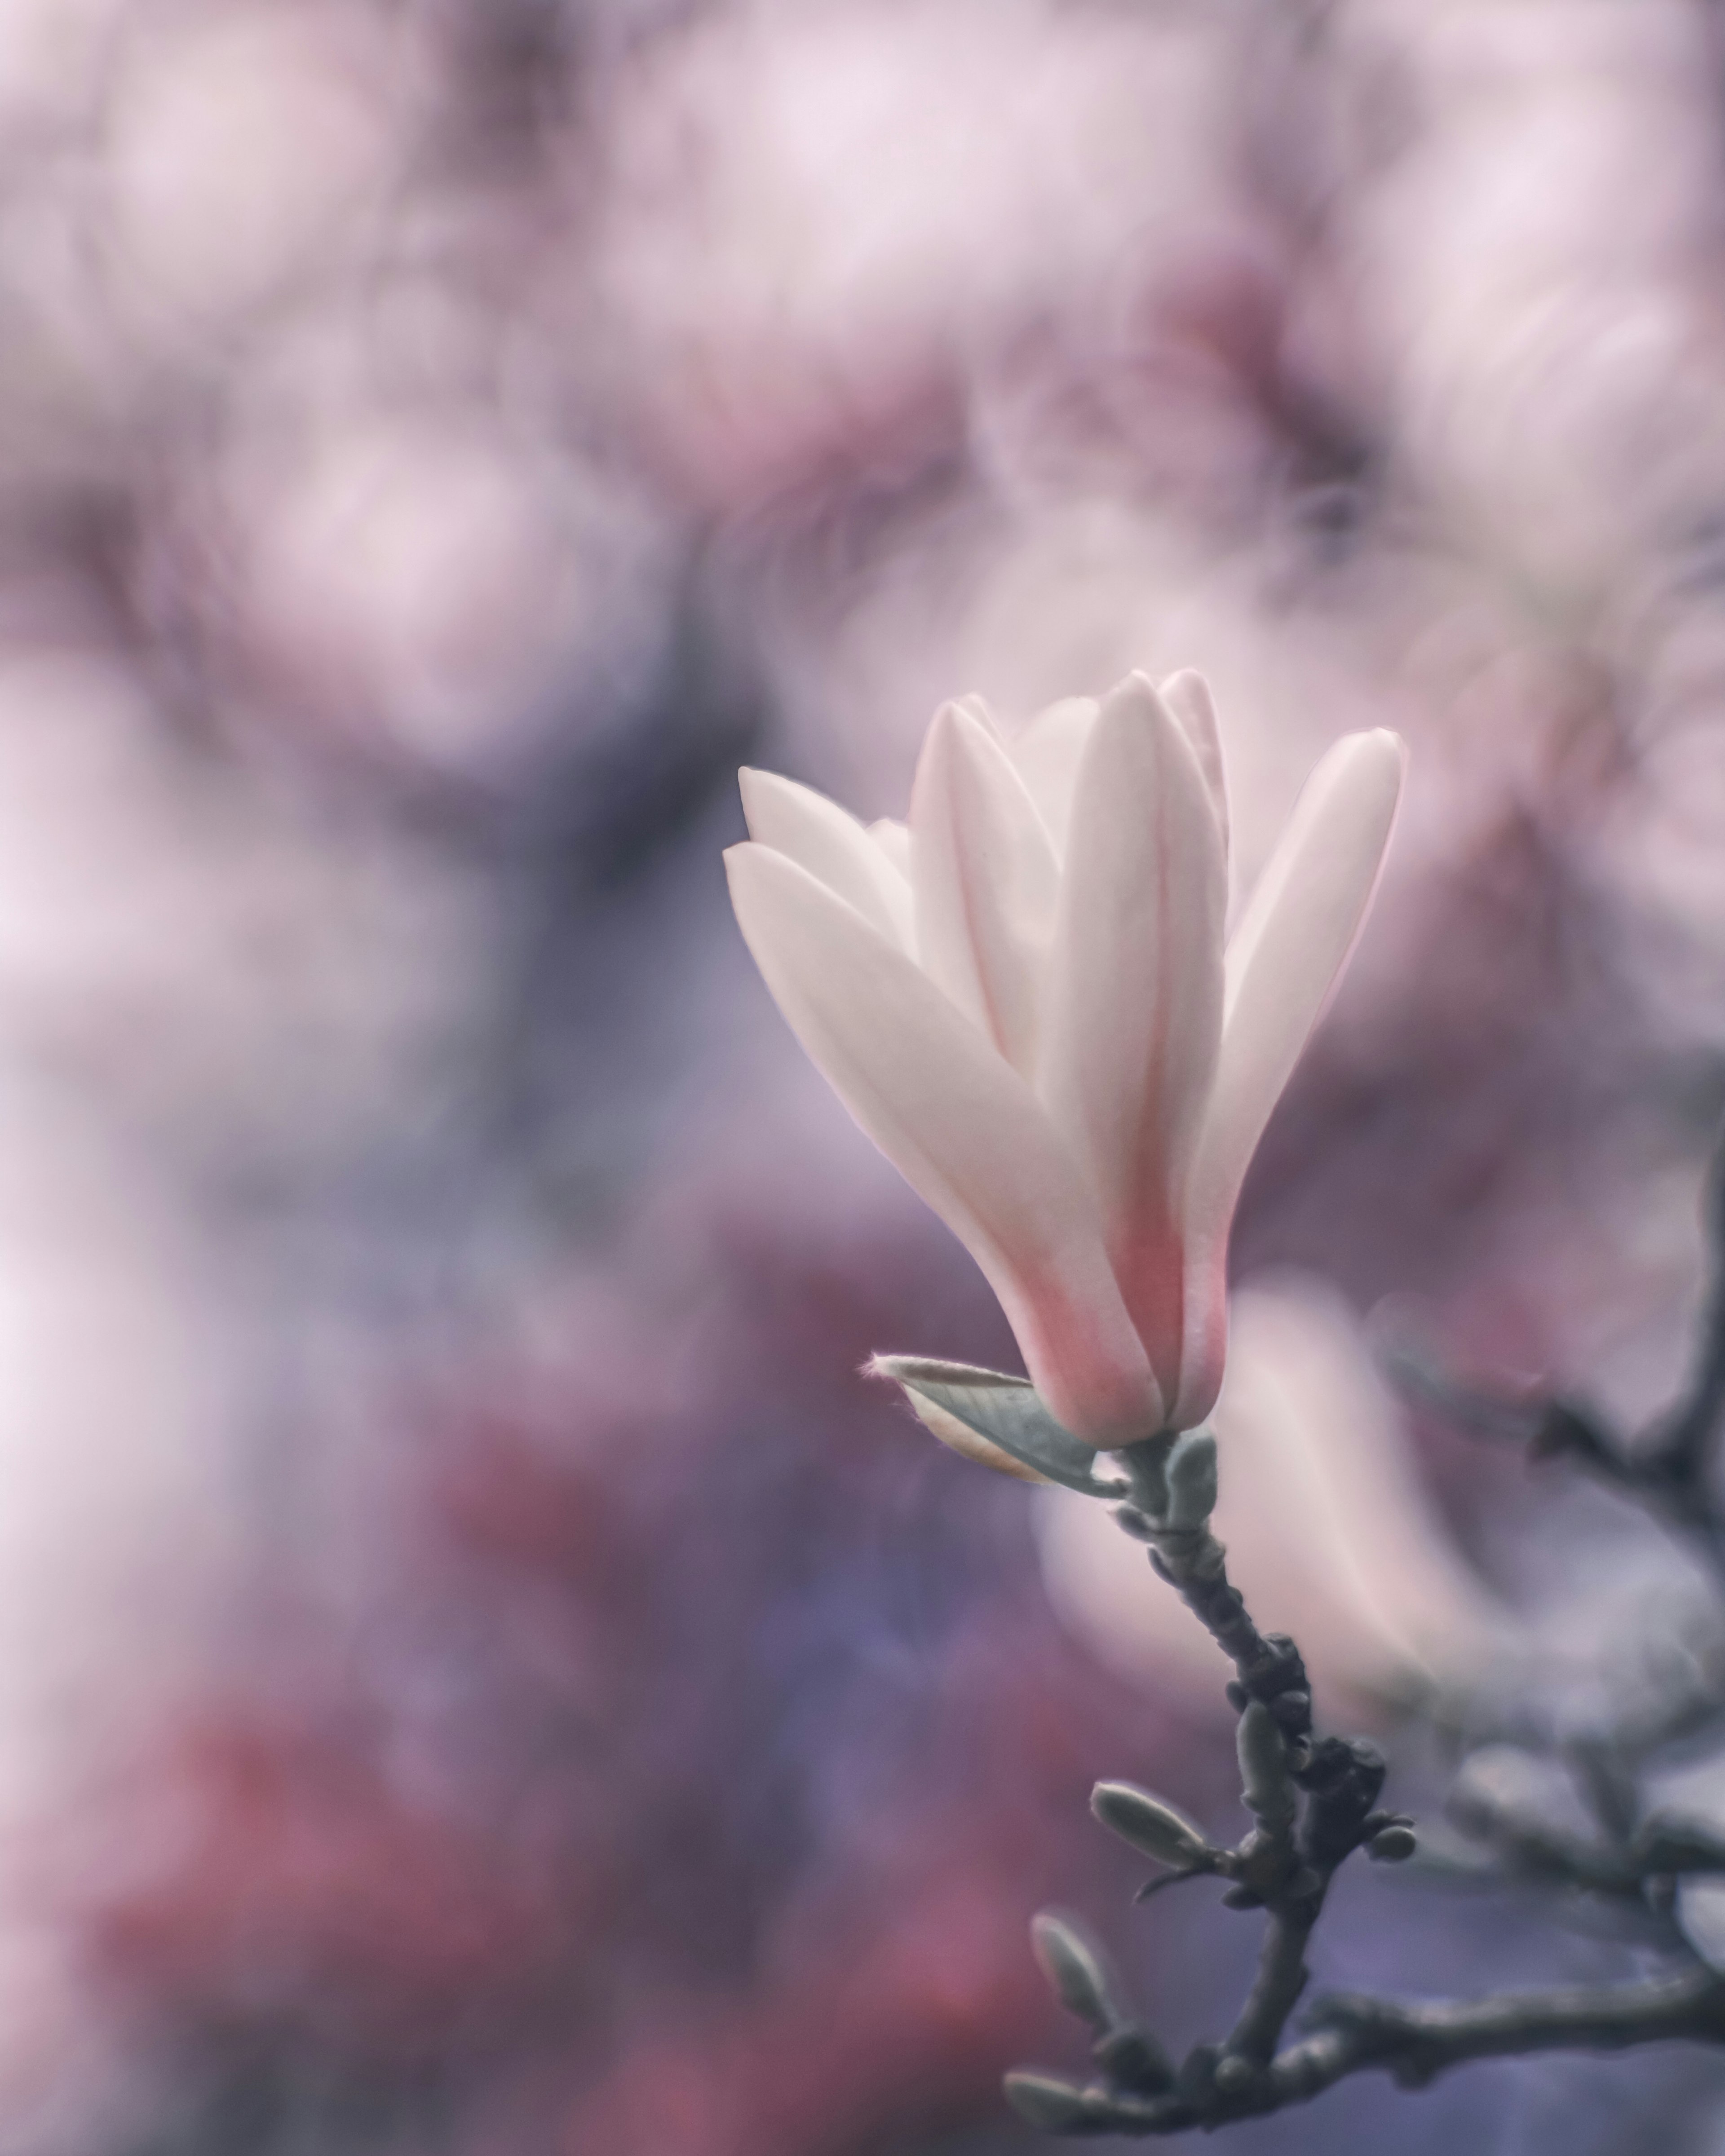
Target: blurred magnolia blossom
x,y
433,584
814,221
247,150
1023,998
1525,261
1330,1535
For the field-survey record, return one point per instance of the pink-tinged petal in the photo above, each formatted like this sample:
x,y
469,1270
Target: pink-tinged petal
x,y
964,1129
1048,754
1329,1533
894,840
1283,961
977,707
985,879
806,826
1188,696
1134,996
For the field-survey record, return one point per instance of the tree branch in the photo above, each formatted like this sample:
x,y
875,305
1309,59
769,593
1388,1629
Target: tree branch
x,y
1667,1467
1415,2043
1282,1978
1313,1799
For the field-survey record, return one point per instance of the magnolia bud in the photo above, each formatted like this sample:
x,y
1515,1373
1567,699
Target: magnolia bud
x,y
1075,1967
1392,1844
1149,1825
1191,1481
1264,1768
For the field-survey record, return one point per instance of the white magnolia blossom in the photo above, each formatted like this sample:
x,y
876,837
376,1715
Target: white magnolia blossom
x,y
1330,1533
1023,997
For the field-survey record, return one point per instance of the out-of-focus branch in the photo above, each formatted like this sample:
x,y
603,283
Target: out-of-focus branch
x,y
1667,1466
1672,1481
1412,2043
1683,1443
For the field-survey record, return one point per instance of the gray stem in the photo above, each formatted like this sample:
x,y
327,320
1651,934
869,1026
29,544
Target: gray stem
x,y
1280,1979
1414,2043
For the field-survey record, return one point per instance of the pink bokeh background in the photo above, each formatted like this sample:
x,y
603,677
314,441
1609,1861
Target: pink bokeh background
x,y
480,1670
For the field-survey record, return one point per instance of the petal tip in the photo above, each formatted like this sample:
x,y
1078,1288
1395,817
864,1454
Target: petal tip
x,y
751,785
1137,685
1381,742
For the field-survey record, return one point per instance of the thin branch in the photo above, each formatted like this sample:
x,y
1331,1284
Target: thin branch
x,y
1415,2043
1282,1978
1668,1465
1314,1800
1340,1779
1314,1797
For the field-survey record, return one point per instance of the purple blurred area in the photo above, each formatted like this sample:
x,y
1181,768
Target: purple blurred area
x,y
479,1671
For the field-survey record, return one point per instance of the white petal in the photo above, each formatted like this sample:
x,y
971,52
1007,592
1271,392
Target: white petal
x,y
985,881
1330,1535
1188,696
977,707
1048,754
806,826
965,1131
1303,1390
1282,963
1134,996
894,840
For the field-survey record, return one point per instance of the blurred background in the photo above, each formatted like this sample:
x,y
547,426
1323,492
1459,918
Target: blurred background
x,y
479,1671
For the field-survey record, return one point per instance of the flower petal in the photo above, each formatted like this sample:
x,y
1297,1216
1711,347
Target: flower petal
x,y
806,826
1329,1532
964,1130
1048,754
1135,995
985,880
894,840
1285,958
1188,696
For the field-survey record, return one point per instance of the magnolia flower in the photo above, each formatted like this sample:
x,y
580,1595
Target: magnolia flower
x,y
1330,1535
1023,997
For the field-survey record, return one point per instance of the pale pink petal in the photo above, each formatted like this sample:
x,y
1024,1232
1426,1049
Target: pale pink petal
x,y
1134,996
985,880
806,826
1282,963
1188,696
977,707
1048,754
965,1131
1329,1533
894,840
1302,1371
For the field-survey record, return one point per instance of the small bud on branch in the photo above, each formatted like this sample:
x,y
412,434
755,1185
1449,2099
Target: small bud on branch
x,y
1151,1825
